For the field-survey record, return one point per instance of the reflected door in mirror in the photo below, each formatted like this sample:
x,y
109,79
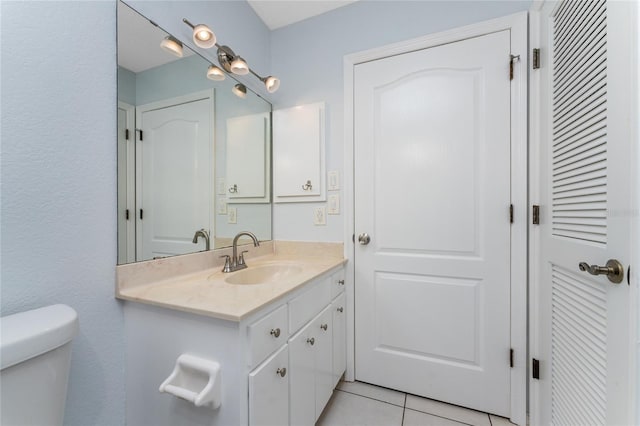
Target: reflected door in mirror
x,y
174,163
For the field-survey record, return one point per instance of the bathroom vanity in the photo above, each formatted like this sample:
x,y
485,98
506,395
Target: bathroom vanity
x,y
276,330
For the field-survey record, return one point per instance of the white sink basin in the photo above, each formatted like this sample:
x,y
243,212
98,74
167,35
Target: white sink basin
x,y
263,274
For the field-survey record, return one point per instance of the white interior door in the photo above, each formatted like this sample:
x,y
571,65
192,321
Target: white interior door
x,y
583,320
174,170
432,190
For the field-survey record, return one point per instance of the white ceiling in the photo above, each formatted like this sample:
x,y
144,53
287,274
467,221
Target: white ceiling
x,y
139,42
280,13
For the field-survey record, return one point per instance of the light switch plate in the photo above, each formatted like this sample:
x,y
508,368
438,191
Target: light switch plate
x,y
222,205
222,188
320,216
334,204
232,215
334,180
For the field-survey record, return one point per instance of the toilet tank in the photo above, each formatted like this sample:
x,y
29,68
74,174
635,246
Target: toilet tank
x,y
35,355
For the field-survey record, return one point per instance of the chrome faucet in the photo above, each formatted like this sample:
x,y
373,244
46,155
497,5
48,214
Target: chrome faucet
x,y
204,234
236,263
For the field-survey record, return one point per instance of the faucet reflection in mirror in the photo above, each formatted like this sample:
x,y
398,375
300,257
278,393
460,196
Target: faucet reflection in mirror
x,y
204,37
182,137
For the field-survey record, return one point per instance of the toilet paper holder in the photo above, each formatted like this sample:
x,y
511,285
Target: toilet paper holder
x,y
196,380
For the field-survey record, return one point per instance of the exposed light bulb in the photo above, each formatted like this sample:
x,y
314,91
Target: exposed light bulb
x,y
272,83
203,36
171,45
239,66
214,73
240,90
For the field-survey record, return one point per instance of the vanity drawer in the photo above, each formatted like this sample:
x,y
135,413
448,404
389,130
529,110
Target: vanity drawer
x,y
337,283
309,304
267,334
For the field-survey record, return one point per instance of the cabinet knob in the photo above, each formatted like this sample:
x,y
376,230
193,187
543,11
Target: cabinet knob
x,y
307,186
341,282
233,189
311,341
281,371
324,326
275,332
340,309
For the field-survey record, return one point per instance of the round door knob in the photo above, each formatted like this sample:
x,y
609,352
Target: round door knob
x,y
364,239
324,326
275,332
311,341
281,371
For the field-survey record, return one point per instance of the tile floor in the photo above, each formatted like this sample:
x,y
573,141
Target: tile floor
x,y
361,404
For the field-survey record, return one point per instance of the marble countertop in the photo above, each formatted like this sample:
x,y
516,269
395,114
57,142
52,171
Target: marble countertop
x,y
206,293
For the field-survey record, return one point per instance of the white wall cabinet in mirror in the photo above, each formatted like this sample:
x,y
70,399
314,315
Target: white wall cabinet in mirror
x,y
298,153
248,159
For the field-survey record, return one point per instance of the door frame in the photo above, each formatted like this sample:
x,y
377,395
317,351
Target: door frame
x,y
130,112
165,103
517,25
535,308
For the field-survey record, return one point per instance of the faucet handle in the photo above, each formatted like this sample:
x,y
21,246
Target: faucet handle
x,y
241,258
227,263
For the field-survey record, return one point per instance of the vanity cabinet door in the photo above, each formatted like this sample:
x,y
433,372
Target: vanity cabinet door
x,y
269,391
302,379
339,312
323,359
298,154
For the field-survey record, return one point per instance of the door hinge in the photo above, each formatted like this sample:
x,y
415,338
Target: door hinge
x,y
126,214
511,213
140,133
126,134
536,215
140,214
511,357
512,59
535,369
535,58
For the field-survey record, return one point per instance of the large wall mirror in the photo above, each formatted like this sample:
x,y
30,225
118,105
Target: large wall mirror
x,y
194,155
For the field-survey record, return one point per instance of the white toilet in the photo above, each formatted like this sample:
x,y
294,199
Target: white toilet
x,y
35,355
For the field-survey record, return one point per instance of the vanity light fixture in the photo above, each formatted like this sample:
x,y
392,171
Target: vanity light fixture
x,y
240,90
214,73
228,59
203,36
171,45
271,83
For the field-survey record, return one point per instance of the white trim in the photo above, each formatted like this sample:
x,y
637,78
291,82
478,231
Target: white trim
x,y
634,311
517,25
130,111
534,196
165,103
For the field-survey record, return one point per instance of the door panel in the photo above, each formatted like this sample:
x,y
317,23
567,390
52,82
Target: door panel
x,y
175,186
432,189
585,204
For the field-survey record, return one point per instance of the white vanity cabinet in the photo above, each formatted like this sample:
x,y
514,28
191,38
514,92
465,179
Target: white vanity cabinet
x,y
278,366
311,363
269,391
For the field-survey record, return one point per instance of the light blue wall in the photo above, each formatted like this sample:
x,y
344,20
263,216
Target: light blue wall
x,y
126,86
58,221
308,58
58,172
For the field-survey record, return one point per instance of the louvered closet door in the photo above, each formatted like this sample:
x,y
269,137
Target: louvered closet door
x,y
586,213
